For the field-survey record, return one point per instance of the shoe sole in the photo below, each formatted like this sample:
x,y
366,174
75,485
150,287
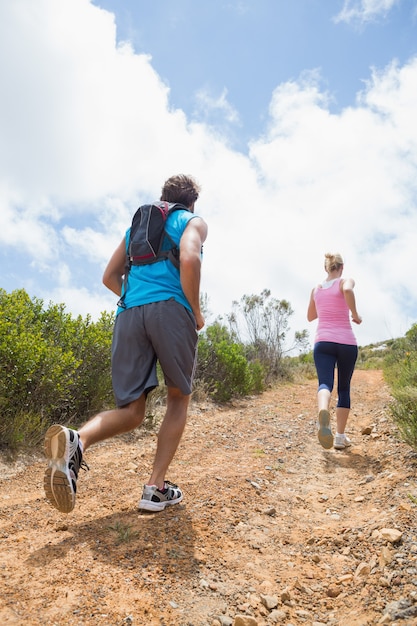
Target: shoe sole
x,y
57,482
148,505
325,434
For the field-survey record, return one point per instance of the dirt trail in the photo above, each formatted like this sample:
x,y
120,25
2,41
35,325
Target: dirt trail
x,y
272,526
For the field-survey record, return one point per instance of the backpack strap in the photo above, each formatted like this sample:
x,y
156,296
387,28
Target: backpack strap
x,y
173,254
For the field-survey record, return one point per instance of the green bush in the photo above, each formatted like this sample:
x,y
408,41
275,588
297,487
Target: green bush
x,y
400,371
54,368
222,367
374,356
300,368
404,412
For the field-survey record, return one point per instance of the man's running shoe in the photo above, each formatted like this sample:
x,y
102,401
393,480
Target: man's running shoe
x,y
62,448
154,499
325,433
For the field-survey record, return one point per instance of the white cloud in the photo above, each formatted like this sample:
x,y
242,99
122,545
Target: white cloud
x,y
209,105
364,10
79,112
88,133
336,182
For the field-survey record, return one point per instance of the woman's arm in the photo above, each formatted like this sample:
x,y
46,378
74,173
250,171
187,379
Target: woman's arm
x,y
312,311
347,290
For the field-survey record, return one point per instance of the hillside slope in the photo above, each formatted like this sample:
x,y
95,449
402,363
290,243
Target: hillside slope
x,y
272,526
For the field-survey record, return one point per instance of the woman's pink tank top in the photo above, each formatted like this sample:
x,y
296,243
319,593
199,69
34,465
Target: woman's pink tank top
x,y
333,315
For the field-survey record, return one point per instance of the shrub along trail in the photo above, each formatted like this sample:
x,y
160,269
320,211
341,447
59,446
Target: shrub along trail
x,y
272,530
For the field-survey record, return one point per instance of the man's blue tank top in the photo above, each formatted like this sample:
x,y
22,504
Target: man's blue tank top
x,y
158,281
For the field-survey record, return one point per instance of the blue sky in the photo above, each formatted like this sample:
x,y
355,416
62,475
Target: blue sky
x,y
298,119
241,50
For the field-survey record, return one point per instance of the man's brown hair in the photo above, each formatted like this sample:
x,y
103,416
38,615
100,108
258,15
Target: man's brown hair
x,y
182,189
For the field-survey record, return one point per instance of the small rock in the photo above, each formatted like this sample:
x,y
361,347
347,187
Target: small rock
x,y
285,595
245,620
301,613
363,570
391,534
405,506
271,512
385,557
277,616
270,602
368,479
344,579
367,430
333,591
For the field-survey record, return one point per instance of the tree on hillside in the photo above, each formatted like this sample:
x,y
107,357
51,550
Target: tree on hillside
x,y
262,324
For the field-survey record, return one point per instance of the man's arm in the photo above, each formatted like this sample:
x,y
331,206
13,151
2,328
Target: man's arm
x,y
191,242
113,274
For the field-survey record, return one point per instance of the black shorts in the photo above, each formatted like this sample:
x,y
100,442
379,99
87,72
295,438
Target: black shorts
x,y
161,331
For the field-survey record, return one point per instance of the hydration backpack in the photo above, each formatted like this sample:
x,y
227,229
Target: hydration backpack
x,y
148,240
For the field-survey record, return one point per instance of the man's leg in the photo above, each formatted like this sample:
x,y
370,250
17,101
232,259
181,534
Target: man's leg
x,y
113,422
175,344
159,493
64,449
169,435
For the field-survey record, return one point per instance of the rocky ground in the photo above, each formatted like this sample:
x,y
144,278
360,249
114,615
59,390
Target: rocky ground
x,y
272,530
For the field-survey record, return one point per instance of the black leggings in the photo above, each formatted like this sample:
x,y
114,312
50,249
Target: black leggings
x,y
327,355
